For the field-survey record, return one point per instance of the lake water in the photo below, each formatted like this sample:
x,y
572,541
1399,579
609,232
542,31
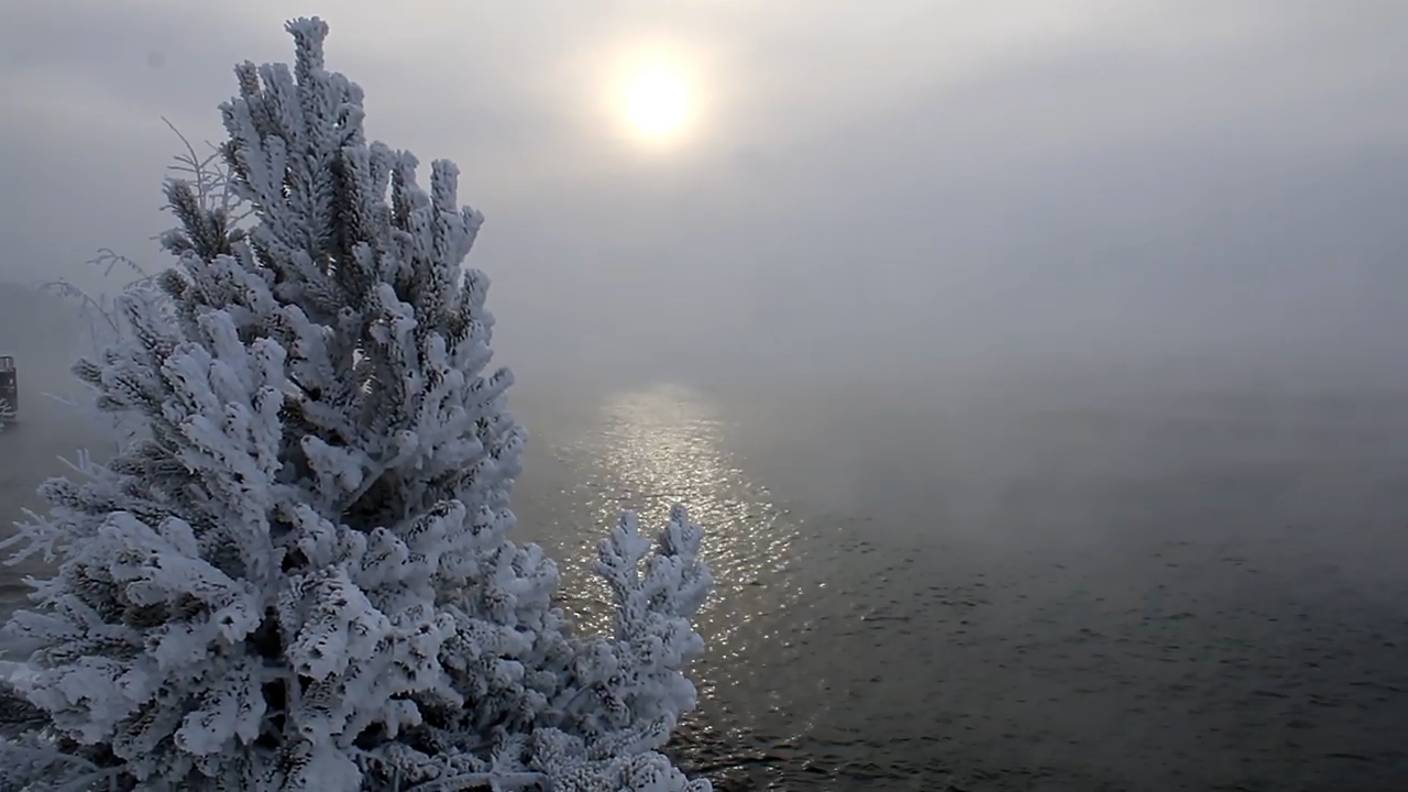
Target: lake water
x,y
1196,595
1179,594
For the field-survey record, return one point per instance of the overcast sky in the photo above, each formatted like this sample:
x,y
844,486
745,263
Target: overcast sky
x,y
867,186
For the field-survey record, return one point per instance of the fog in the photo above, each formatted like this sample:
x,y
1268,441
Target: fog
x,y
883,217
917,194
1039,368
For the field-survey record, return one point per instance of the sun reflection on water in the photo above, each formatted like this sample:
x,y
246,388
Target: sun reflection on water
x,y
645,450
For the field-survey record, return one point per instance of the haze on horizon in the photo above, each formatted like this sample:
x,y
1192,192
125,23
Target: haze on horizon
x,y
908,192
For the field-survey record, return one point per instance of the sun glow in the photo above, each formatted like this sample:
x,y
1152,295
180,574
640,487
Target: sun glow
x,y
656,97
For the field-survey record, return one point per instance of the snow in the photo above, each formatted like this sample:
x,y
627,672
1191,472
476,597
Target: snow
x,y
298,574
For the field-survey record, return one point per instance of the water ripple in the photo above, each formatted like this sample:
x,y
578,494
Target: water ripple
x,y
878,639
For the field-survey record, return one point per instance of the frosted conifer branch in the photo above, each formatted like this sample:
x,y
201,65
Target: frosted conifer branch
x,y
299,575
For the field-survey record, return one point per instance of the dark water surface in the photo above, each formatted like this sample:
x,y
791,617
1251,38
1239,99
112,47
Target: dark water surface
x,y
1188,594
1195,595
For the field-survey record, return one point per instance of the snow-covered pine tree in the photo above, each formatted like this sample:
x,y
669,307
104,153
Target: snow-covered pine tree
x,y
300,577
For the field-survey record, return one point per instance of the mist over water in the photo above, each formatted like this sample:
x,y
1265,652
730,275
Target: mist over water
x,y
1155,587
1186,593
1040,379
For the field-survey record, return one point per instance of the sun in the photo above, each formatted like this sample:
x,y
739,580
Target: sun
x,y
657,102
655,98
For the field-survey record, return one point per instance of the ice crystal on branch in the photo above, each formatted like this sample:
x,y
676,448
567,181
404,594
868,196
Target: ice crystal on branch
x,y
300,576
